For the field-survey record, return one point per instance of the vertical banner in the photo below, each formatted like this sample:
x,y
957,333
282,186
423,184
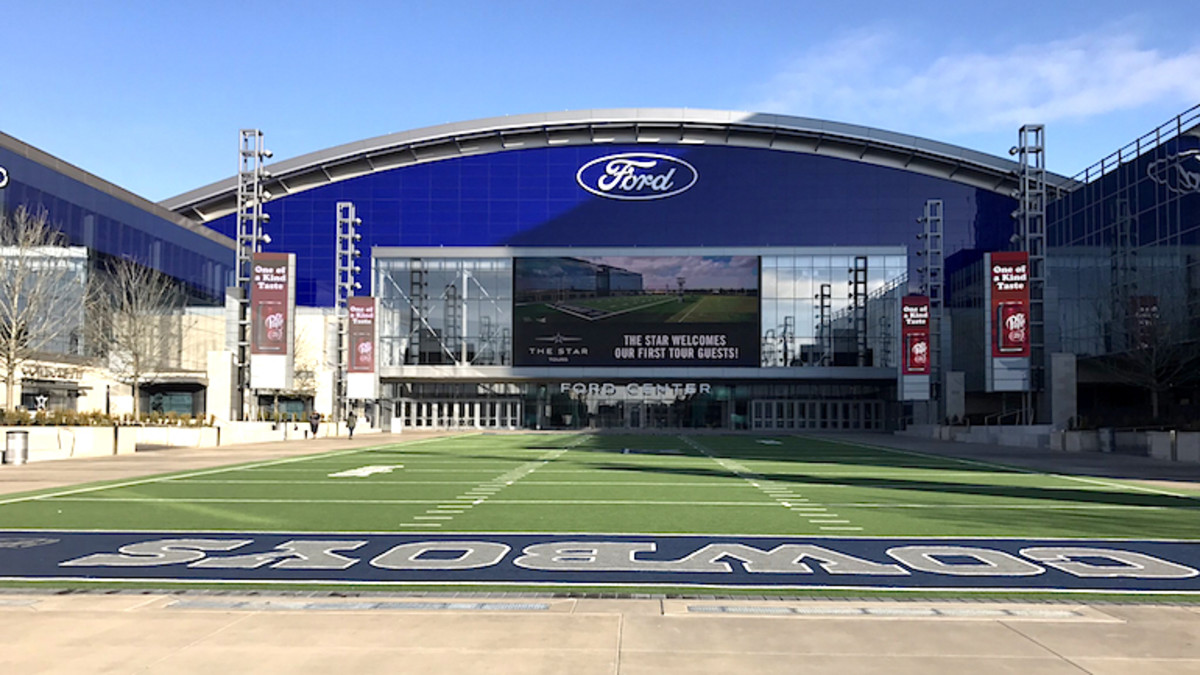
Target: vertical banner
x,y
1009,273
272,324
915,359
1143,315
1007,322
914,330
362,380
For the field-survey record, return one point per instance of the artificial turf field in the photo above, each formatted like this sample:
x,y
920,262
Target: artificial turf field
x,y
649,309
788,487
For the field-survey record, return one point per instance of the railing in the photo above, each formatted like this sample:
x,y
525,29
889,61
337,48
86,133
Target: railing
x,y
998,418
1142,145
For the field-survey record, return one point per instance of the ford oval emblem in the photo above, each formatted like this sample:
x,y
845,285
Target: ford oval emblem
x,y
637,176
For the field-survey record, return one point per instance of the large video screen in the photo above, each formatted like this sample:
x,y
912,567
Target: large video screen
x,y
636,310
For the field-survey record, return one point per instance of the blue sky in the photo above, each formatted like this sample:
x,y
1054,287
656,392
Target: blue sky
x,y
151,95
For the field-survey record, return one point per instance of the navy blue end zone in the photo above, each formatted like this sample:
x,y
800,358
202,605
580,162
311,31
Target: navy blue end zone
x,y
615,560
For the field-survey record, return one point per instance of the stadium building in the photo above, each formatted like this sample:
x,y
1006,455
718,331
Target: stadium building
x,y
673,268
102,223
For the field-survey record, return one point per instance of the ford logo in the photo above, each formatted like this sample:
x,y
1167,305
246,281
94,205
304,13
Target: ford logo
x,y
3,177
635,176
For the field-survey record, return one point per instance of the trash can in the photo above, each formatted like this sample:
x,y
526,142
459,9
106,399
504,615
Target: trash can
x,y
16,447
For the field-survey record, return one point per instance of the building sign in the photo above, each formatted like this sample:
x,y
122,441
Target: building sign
x,y
1179,172
636,390
914,331
46,371
269,304
1009,274
3,178
361,331
637,176
636,311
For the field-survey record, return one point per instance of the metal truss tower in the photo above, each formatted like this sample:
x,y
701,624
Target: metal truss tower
x,y
1123,333
858,304
933,275
825,323
1031,232
250,238
344,287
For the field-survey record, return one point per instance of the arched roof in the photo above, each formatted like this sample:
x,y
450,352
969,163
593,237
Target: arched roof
x,y
625,126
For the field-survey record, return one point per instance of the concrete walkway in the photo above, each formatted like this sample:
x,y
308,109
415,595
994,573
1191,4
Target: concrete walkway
x,y
181,634
48,631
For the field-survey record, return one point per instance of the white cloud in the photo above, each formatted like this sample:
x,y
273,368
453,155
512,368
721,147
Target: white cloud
x,y
878,78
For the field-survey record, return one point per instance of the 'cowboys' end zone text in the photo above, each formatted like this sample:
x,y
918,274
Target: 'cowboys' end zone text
x,y
584,559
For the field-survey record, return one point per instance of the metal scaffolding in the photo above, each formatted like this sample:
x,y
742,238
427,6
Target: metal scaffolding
x,y
250,238
933,275
1031,235
858,304
346,284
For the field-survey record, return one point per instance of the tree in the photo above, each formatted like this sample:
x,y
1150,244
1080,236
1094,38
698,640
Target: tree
x,y
1160,349
42,291
137,320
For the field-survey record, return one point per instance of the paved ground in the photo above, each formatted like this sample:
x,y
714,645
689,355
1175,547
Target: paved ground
x,y
98,632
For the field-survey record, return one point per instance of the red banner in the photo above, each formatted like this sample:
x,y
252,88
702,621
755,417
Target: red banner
x,y
914,333
269,304
1009,276
361,333
1143,314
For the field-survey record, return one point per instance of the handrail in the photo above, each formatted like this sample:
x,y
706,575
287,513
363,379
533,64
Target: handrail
x,y
999,417
1140,146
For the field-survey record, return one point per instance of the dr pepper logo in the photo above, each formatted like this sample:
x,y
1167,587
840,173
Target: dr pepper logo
x,y
637,176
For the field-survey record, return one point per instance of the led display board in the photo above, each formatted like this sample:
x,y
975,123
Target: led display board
x,y
636,311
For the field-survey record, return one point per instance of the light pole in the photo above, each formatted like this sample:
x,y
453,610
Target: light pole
x,y
346,284
250,238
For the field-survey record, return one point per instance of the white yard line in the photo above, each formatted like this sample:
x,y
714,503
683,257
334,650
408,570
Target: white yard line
x,y
692,309
481,492
208,472
974,462
783,495
161,479
442,504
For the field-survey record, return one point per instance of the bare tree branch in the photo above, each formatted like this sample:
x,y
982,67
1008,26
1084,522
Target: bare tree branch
x,y
1160,353
42,290
138,320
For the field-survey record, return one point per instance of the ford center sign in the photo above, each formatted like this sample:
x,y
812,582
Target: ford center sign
x,y
637,176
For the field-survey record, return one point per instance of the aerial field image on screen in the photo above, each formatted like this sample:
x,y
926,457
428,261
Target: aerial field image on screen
x,y
612,310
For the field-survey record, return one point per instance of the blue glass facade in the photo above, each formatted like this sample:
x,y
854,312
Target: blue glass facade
x,y
742,197
1123,252
113,226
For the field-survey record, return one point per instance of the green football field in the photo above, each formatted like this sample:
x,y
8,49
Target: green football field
x,y
653,484
648,309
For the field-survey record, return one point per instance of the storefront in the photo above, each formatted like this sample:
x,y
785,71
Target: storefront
x,y
746,405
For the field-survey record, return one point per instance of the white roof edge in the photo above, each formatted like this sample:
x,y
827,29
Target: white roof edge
x,y
493,125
